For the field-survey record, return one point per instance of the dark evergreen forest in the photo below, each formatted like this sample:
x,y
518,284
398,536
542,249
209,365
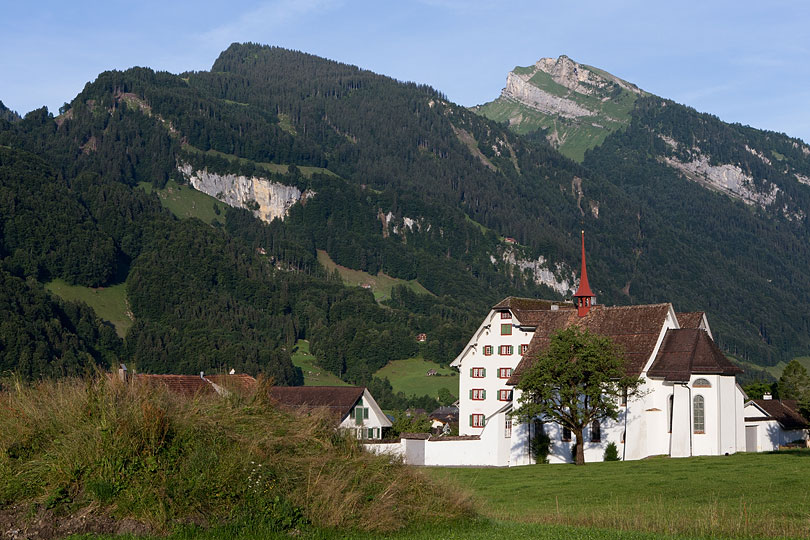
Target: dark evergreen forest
x,y
205,298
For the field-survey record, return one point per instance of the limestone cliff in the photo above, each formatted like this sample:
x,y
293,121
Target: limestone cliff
x,y
267,200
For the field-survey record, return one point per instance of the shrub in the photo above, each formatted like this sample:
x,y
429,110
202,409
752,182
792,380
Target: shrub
x,y
611,452
540,445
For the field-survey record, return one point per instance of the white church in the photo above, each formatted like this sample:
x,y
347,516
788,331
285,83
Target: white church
x,y
689,403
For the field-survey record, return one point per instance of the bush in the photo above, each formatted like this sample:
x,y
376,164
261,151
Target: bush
x,y
611,452
540,444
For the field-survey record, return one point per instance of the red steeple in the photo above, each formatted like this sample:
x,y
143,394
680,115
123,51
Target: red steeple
x,y
584,297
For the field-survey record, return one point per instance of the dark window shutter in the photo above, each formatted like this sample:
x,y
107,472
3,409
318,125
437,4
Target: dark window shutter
x,y
483,394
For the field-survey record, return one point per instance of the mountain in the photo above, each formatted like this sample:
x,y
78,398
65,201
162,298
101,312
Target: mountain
x,y
314,156
576,106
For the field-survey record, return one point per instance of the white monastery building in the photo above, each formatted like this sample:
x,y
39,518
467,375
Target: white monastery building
x,y
689,403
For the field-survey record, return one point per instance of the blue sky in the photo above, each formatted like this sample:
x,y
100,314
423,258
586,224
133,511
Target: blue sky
x,y
743,61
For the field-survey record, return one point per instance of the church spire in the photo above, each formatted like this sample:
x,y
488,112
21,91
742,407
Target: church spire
x,y
584,298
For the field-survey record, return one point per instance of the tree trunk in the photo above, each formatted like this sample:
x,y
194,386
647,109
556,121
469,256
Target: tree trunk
x,y
580,456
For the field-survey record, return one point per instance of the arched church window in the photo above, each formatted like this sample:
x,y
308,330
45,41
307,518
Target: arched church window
x,y
698,414
701,383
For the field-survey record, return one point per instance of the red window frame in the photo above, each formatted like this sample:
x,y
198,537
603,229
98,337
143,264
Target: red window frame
x,y
506,314
506,350
524,348
477,420
477,373
488,349
504,395
478,394
506,329
504,372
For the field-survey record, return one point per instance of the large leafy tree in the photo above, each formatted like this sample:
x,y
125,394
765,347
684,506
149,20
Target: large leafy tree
x,y
579,378
794,382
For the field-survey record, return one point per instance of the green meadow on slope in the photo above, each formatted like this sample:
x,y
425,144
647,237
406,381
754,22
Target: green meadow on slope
x,y
187,202
109,303
409,376
380,284
314,375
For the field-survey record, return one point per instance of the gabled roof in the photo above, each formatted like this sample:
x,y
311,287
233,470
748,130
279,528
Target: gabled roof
x,y
237,381
526,310
690,320
337,399
634,328
187,385
784,411
688,351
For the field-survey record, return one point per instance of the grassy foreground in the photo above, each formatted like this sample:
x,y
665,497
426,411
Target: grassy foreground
x,y
108,453
739,496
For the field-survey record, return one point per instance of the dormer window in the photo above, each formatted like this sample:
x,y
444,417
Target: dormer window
x,y
506,314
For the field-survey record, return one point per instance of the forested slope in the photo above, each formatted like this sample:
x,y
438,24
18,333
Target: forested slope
x,y
422,189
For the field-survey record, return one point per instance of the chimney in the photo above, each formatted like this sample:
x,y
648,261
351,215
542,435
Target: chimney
x,y
122,373
584,298
202,374
767,396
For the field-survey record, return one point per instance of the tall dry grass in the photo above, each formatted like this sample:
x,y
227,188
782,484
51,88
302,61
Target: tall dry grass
x,y
138,451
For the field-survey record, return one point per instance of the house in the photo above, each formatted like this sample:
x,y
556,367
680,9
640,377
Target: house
x,y
443,416
421,338
771,423
689,402
353,407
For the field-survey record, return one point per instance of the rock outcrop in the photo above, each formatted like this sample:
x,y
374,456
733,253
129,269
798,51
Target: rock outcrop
x,y
267,200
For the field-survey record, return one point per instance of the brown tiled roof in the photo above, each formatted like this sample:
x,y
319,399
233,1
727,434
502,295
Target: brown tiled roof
x,y
337,399
690,320
689,351
187,385
238,381
634,328
784,411
528,310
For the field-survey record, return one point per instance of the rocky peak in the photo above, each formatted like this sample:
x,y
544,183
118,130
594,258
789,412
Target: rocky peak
x,y
581,78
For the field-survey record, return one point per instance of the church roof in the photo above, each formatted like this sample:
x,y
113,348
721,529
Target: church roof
x,y
688,351
526,310
784,411
690,320
634,328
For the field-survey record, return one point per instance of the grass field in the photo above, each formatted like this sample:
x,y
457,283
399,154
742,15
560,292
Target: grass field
x,y
739,496
109,303
313,375
776,370
381,284
187,202
408,376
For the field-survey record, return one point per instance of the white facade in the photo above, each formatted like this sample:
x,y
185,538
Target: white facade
x,y
763,433
485,364
701,416
366,419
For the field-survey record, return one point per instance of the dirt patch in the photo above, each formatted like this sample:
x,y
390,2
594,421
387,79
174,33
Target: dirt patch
x,y
20,522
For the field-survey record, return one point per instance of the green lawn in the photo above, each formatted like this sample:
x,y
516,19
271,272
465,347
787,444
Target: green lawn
x,y
381,284
313,375
187,202
109,303
737,496
408,376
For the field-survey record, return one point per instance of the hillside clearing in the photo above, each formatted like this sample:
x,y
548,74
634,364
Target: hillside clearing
x,y
186,202
381,284
314,375
276,168
409,377
109,303
735,496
